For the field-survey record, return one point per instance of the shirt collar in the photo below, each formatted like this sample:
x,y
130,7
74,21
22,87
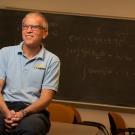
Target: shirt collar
x,y
19,49
40,55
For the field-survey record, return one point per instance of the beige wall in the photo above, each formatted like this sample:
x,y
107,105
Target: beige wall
x,y
116,8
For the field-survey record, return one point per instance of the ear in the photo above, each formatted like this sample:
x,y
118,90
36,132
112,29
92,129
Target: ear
x,y
45,34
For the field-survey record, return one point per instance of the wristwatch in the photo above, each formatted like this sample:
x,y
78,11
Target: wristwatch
x,y
24,112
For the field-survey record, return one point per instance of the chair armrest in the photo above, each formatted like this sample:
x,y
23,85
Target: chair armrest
x,y
95,124
130,130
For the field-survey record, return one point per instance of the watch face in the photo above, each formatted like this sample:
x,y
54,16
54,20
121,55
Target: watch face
x,y
24,112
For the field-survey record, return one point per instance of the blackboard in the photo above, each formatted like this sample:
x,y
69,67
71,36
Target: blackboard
x,y
97,55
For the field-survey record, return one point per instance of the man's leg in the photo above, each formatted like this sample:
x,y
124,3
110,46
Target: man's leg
x,y
11,105
34,124
2,125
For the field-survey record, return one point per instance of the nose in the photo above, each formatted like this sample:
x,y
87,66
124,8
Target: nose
x,y
29,29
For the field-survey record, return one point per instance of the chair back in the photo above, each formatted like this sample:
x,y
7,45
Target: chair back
x,y
63,113
116,122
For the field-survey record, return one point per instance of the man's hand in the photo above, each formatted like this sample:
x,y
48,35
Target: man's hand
x,y
12,119
9,121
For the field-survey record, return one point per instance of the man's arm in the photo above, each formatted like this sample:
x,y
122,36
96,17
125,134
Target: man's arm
x,y
3,107
45,98
40,104
8,114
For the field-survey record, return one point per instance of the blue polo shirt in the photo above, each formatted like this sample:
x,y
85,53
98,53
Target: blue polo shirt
x,y
26,78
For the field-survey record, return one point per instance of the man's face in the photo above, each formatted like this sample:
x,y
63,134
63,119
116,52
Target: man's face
x,y
32,31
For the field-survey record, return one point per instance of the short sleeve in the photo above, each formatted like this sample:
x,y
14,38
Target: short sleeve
x,y
2,65
51,78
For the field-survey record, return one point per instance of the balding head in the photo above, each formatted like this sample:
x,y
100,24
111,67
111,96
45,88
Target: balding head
x,y
37,14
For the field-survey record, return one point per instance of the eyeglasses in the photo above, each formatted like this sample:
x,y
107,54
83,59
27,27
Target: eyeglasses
x,y
32,27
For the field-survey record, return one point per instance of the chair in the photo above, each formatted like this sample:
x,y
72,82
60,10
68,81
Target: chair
x,y
62,113
118,126
69,114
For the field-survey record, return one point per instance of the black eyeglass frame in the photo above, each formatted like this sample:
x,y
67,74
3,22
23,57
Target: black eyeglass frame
x,y
33,27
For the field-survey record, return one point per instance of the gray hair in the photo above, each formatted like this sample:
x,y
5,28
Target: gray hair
x,y
45,22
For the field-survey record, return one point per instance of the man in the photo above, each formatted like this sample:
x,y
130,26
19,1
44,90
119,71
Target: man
x,y
29,77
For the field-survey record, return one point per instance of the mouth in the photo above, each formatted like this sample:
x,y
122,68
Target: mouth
x,y
29,36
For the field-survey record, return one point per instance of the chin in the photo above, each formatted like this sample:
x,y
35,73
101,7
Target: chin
x,y
28,43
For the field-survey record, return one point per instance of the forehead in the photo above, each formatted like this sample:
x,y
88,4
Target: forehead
x,y
33,19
